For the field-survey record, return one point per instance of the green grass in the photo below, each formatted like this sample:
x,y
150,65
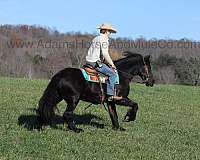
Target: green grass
x,y
167,126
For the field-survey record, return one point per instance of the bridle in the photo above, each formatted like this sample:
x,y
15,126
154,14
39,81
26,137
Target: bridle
x,y
146,71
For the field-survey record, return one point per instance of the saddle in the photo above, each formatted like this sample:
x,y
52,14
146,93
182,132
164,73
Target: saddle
x,y
92,75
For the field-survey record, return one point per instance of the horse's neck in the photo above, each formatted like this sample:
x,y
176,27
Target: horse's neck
x,y
123,67
127,67
124,74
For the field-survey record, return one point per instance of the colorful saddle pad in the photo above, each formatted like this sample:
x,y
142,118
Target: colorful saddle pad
x,y
90,74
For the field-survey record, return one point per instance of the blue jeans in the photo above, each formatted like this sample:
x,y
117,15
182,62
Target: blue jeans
x,y
111,78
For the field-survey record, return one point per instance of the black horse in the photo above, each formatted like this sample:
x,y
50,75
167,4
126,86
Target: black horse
x,y
70,85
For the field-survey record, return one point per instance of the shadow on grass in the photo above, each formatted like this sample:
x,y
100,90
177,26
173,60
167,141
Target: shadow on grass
x,y
31,121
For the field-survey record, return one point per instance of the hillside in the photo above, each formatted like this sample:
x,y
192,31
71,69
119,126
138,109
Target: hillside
x,y
40,52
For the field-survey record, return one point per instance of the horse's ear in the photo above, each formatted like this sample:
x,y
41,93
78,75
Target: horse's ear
x,y
147,58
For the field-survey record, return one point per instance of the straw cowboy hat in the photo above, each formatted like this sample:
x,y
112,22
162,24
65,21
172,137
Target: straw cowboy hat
x,y
107,26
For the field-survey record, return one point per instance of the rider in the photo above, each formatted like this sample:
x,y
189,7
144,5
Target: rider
x,y
98,52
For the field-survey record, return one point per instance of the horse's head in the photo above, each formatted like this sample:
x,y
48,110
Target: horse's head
x,y
136,64
144,71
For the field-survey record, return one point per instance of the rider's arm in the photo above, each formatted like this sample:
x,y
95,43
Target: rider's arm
x,y
104,49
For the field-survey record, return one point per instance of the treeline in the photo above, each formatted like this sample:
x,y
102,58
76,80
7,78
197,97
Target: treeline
x,y
177,70
40,52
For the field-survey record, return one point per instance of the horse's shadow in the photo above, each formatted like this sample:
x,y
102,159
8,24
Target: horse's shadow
x,y
31,121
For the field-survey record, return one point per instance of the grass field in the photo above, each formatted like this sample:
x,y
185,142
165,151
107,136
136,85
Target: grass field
x,y
167,126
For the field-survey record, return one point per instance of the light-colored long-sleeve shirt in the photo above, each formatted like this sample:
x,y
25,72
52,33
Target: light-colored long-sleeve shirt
x,y
100,44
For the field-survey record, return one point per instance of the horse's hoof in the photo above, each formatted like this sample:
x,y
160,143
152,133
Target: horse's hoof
x,y
101,126
115,128
97,125
125,120
78,130
122,129
128,119
118,128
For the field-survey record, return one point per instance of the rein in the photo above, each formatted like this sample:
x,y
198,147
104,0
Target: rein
x,y
131,76
127,74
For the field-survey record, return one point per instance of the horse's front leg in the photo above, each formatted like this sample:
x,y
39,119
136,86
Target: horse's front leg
x,y
113,116
132,109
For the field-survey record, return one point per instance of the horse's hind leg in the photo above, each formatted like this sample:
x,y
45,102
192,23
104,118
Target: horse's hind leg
x,y
69,115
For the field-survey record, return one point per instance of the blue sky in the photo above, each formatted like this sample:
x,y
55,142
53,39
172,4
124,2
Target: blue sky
x,y
173,19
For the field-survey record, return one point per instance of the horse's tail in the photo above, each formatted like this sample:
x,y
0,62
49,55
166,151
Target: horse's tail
x,y
47,103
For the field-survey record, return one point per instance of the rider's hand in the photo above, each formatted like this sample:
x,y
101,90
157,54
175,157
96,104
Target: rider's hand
x,y
113,67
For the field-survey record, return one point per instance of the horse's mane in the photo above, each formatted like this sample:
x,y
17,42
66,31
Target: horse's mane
x,y
129,56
